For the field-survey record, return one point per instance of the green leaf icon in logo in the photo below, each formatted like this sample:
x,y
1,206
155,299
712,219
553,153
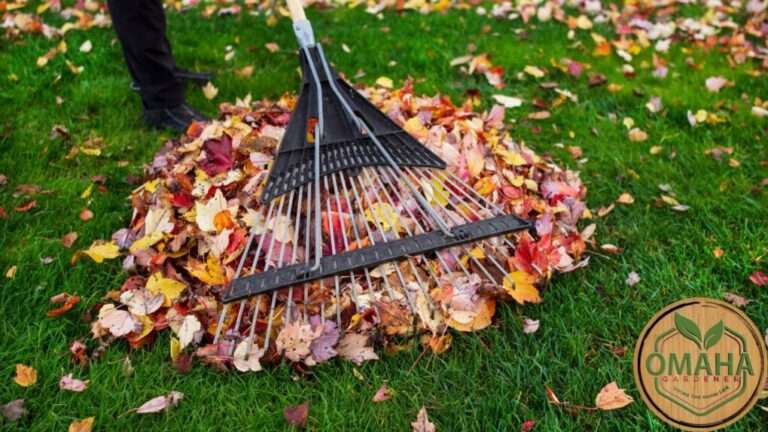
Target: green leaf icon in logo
x,y
713,335
688,329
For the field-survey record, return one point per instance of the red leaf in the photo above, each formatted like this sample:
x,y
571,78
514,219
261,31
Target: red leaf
x,y
182,200
26,207
218,156
297,415
86,215
527,426
759,278
3,213
69,239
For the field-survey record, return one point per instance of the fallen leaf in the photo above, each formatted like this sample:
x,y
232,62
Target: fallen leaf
x,y
84,425
637,135
611,397
530,326
210,91
11,272
67,382
718,252
632,279
25,375
171,289
527,426
354,347
534,71
296,415
13,410
625,198
161,403
519,285
759,278
69,302
26,207
385,82
189,326
272,47
382,394
101,250
86,46
508,101
736,299
715,83
118,322
86,215
422,423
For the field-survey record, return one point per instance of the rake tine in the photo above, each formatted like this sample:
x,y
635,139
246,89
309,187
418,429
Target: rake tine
x,y
370,234
356,232
353,290
333,251
279,263
306,252
295,248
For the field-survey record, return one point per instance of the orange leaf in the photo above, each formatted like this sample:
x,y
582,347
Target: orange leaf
x,y
25,375
69,303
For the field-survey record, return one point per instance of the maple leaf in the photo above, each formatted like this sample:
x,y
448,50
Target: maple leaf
x,y
118,322
190,325
611,397
171,289
210,91
759,278
142,301
296,415
246,356
218,156
422,423
520,285
26,376
322,346
67,382
354,347
205,213
295,340
161,403
84,425
211,273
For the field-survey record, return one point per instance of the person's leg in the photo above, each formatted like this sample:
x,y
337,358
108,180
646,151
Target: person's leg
x,y
140,27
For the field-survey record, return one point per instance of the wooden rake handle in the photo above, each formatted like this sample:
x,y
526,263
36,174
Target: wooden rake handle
x,y
297,10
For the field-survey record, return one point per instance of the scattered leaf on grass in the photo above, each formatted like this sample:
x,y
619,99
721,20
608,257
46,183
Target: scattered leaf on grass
x,y
67,382
736,299
84,425
625,198
25,376
13,410
69,301
296,415
422,423
101,250
637,135
633,279
611,397
11,272
759,278
210,91
718,252
161,403
272,47
86,46
530,326
508,101
86,215
382,394
26,207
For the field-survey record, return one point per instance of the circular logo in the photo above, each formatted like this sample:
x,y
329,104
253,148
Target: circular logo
x,y
700,364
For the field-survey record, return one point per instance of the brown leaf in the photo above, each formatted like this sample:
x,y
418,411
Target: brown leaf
x,y
422,423
611,397
296,415
625,198
69,239
26,207
13,410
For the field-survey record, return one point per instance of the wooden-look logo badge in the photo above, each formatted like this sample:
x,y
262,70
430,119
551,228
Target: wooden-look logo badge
x,y
700,364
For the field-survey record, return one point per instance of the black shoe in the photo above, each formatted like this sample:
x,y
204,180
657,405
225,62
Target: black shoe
x,y
177,118
183,75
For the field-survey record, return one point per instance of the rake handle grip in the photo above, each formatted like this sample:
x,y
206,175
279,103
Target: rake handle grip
x,y
297,10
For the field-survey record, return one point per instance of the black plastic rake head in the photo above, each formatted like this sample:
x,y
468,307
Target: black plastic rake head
x,y
340,154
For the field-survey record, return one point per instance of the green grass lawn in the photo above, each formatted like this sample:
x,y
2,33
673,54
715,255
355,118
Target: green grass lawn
x,y
493,380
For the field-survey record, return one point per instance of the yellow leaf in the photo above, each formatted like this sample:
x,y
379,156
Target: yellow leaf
x,y
25,375
480,320
147,325
175,349
151,186
101,250
534,71
625,198
210,91
512,157
210,273
87,192
434,192
485,186
84,425
519,285
145,242
477,252
383,214
385,82
11,272
171,289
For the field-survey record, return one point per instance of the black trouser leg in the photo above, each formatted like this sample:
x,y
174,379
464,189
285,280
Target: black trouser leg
x,y
140,27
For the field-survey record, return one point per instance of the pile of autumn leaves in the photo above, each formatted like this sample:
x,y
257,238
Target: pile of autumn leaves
x,y
193,214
